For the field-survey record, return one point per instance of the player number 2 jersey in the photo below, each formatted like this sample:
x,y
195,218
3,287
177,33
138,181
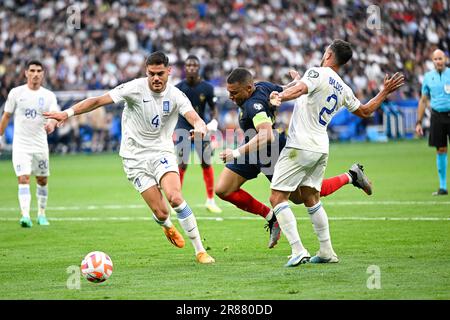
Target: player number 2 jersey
x,y
149,118
327,93
27,106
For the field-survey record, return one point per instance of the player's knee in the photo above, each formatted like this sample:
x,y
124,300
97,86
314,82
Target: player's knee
x,y
175,199
274,200
221,192
42,181
24,179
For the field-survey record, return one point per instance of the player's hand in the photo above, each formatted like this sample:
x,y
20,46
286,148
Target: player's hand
x,y
393,83
60,117
419,129
275,98
50,126
226,155
212,125
294,74
199,131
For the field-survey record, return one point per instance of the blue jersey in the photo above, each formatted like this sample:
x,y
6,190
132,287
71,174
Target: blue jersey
x,y
257,103
436,86
199,95
258,162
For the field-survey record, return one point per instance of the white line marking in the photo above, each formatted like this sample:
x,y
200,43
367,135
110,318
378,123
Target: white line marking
x,y
241,218
142,206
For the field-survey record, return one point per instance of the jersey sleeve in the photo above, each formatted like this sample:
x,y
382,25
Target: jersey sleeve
x,y
120,92
312,79
350,101
10,104
425,87
54,103
256,111
183,103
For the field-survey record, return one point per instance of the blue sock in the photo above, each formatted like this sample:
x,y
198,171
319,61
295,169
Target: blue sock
x,y
441,162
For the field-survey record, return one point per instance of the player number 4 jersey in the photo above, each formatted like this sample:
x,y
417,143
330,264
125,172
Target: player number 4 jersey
x,y
149,118
27,106
327,93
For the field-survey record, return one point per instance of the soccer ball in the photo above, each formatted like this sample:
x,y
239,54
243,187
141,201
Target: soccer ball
x,y
96,267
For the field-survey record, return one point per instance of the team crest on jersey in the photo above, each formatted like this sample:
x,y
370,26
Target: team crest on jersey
x,y
166,107
258,106
41,102
202,97
313,74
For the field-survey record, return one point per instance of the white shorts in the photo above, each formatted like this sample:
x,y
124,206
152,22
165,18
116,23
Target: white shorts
x,y
147,172
26,164
299,168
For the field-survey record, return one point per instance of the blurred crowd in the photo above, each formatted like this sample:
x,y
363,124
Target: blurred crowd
x,y
98,44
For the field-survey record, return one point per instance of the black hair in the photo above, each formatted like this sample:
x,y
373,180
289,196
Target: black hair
x,y
157,58
342,51
35,62
192,57
240,75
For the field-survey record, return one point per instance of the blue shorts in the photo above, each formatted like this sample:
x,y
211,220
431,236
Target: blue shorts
x,y
250,166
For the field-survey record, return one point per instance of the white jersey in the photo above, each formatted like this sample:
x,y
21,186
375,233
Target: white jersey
x,y
149,118
327,93
28,105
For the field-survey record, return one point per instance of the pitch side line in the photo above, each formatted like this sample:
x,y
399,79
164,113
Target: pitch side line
x,y
142,206
241,218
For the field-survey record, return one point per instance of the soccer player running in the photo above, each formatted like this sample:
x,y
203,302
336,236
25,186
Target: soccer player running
x,y
199,93
436,90
321,93
261,149
148,122
30,153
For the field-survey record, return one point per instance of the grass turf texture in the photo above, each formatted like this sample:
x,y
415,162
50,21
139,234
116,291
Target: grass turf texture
x,y
412,255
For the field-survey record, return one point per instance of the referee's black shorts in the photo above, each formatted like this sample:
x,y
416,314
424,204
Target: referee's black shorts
x,y
439,129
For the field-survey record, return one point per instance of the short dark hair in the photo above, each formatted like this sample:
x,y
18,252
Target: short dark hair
x,y
240,75
342,51
157,58
192,57
35,62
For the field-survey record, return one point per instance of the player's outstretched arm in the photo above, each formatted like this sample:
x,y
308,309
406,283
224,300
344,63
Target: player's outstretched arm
x,y
194,120
83,106
390,85
423,102
276,98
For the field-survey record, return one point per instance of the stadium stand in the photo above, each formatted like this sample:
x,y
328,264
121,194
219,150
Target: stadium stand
x,y
107,43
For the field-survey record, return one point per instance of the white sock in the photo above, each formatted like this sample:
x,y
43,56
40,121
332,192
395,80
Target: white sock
x,y
319,219
189,224
288,225
42,195
210,201
166,223
269,215
24,199
350,179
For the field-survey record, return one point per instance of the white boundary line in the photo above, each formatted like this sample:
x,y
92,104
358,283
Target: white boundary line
x,y
142,206
240,218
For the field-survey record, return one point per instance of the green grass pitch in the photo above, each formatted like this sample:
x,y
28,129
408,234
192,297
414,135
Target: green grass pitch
x,y
401,230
